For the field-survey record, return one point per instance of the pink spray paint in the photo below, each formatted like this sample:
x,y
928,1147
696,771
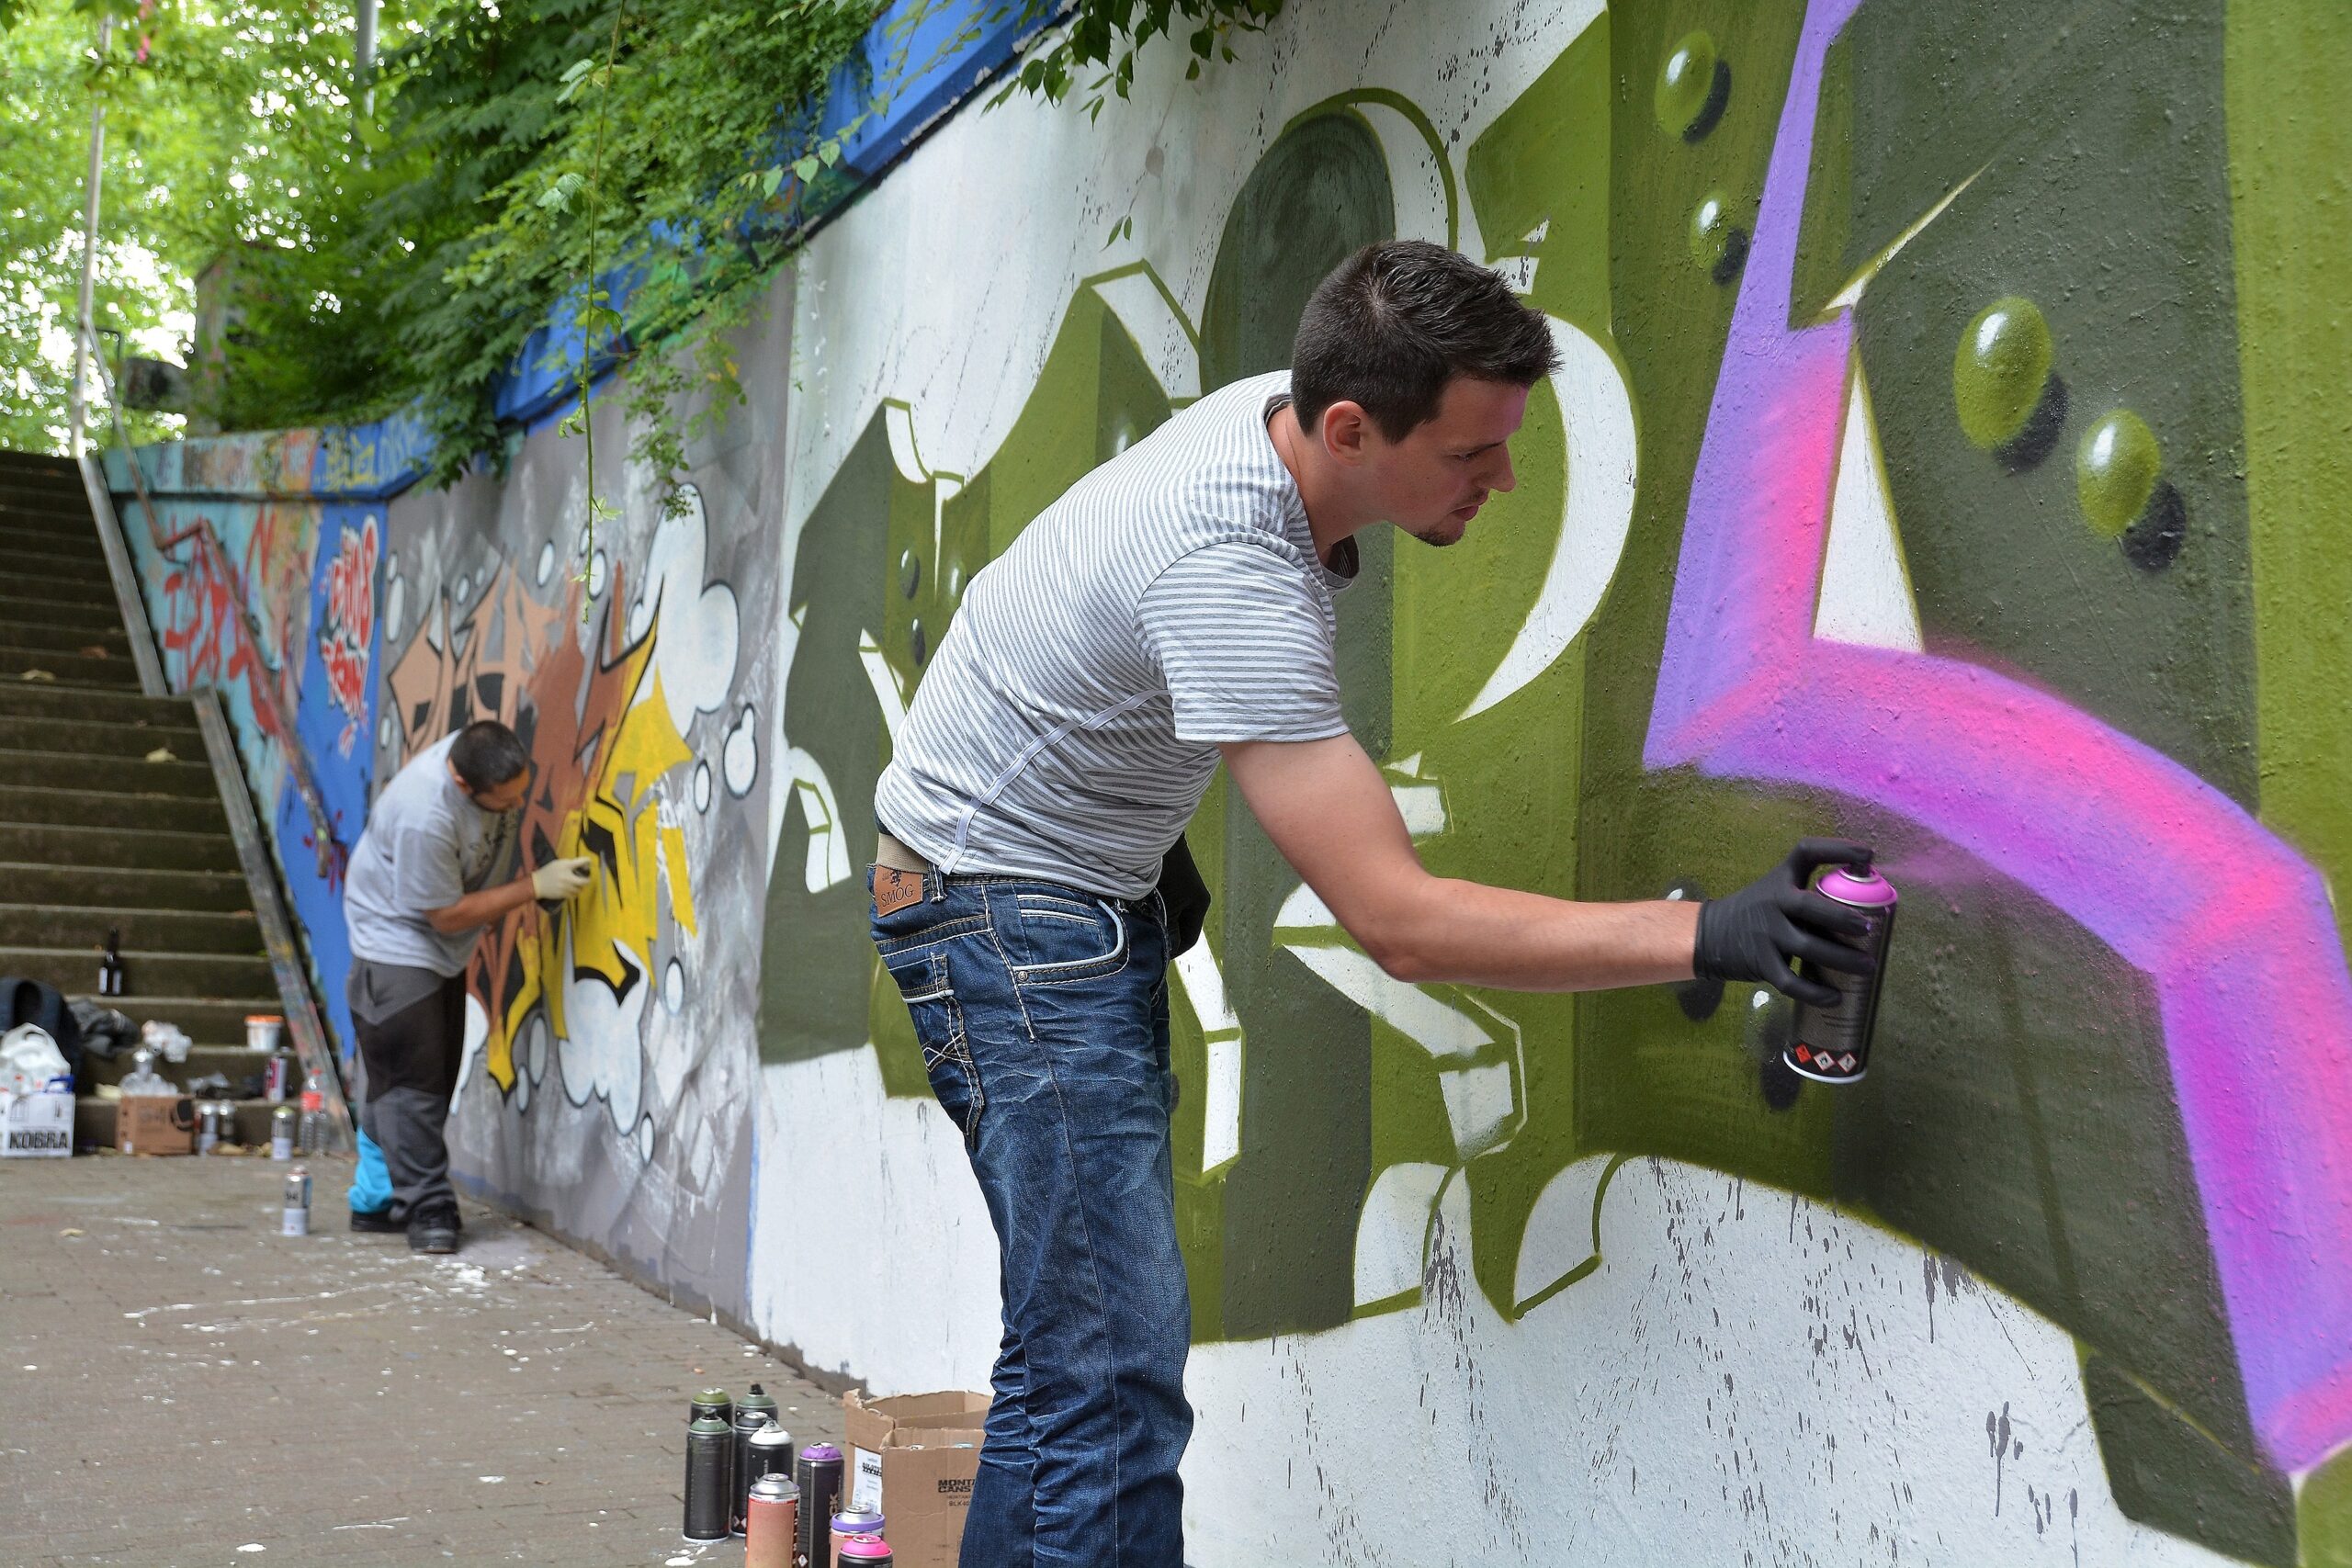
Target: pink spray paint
x,y
2233,927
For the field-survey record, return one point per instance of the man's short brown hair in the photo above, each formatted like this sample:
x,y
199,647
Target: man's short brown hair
x,y
1395,322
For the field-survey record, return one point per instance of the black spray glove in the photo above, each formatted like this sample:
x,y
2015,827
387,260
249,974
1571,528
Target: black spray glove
x,y
1757,932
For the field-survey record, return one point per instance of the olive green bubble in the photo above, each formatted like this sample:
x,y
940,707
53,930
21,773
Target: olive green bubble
x,y
1710,229
2000,369
2115,471
1685,83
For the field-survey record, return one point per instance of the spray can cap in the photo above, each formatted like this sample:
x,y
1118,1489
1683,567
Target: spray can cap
x,y
864,1549
772,1436
859,1521
773,1487
1855,885
822,1453
708,1426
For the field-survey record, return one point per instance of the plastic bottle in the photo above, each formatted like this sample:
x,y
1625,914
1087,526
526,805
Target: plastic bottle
x,y
314,1113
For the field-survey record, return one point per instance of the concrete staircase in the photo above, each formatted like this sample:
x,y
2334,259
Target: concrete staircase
x,y
94,835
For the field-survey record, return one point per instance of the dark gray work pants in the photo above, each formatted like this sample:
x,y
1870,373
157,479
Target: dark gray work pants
x,y
412,1055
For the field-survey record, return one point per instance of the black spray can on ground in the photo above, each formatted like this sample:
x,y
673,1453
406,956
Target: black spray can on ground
x,y
753,1411
1833,1045
770,1453
819,1477
708,1447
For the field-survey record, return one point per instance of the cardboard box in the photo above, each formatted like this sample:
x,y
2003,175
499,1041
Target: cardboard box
x,y
154,1124
914,1457
35,1125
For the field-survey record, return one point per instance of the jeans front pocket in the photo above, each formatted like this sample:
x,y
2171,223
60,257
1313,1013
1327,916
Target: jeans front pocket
x,y
939,1029
1066,939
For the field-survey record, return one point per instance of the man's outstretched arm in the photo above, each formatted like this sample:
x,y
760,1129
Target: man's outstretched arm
x,y
1328,809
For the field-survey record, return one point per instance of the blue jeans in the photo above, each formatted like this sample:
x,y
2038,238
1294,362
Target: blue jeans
x,y
1043,1016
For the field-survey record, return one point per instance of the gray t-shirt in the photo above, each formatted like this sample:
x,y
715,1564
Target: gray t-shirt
x,y
425,846
1170,600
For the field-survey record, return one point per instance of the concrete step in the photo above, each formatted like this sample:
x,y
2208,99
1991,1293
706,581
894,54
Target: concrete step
x,y
66,634
57,699
51,531
145,887
67,496
147,974
97,739
232,1062
44,465
34,568
69,807
94,1129
141,849
20,599
16,663
175,931
208,1021
188,777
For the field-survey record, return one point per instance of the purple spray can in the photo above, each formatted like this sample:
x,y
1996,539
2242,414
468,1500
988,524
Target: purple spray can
x,y
1832,1045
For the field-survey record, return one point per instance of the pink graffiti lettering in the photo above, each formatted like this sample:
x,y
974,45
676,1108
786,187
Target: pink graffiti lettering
x,y
2233,929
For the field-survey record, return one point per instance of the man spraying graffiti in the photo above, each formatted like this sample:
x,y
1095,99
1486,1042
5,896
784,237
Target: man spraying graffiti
x,y
432,870
1173,609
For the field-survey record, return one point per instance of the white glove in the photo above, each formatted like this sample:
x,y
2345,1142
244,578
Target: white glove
x,y
561,879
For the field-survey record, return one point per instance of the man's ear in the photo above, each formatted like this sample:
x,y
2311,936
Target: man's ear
x,y
1347,431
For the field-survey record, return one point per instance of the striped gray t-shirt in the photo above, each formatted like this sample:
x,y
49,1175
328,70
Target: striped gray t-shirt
x,y
1170,600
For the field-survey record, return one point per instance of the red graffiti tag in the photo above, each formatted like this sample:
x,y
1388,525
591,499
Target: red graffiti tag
x,y
350,625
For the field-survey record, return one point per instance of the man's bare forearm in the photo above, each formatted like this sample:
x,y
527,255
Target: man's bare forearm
x,y
480,908
1473,934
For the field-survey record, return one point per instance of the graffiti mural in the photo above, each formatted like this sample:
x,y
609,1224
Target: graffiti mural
x,y
1762,282
1950,408
244,598
347,627
618,659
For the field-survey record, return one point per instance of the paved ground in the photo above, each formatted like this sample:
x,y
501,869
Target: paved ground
x,y
182,1384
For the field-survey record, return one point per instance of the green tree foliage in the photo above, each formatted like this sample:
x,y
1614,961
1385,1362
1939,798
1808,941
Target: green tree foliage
x,y
393,243
227,134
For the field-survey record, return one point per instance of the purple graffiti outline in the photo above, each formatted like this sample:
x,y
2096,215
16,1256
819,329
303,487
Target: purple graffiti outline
x,y
2234,928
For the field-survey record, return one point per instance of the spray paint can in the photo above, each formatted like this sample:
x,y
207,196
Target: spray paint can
x,y
772,1532
1832,1045
854,1520
818,1474
713,1402
281,1132
298,1202
707,1447
865,1551
770,1454
207,1126
278,1075
753,1411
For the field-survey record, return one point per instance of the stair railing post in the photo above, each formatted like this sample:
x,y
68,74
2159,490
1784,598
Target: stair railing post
x,y
76,409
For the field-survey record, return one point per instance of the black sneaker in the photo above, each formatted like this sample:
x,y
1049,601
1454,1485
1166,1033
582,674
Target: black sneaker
x,y
376,1222
434,1230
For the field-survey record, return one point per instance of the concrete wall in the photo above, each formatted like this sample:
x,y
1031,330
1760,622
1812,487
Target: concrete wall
x,y
1800,544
